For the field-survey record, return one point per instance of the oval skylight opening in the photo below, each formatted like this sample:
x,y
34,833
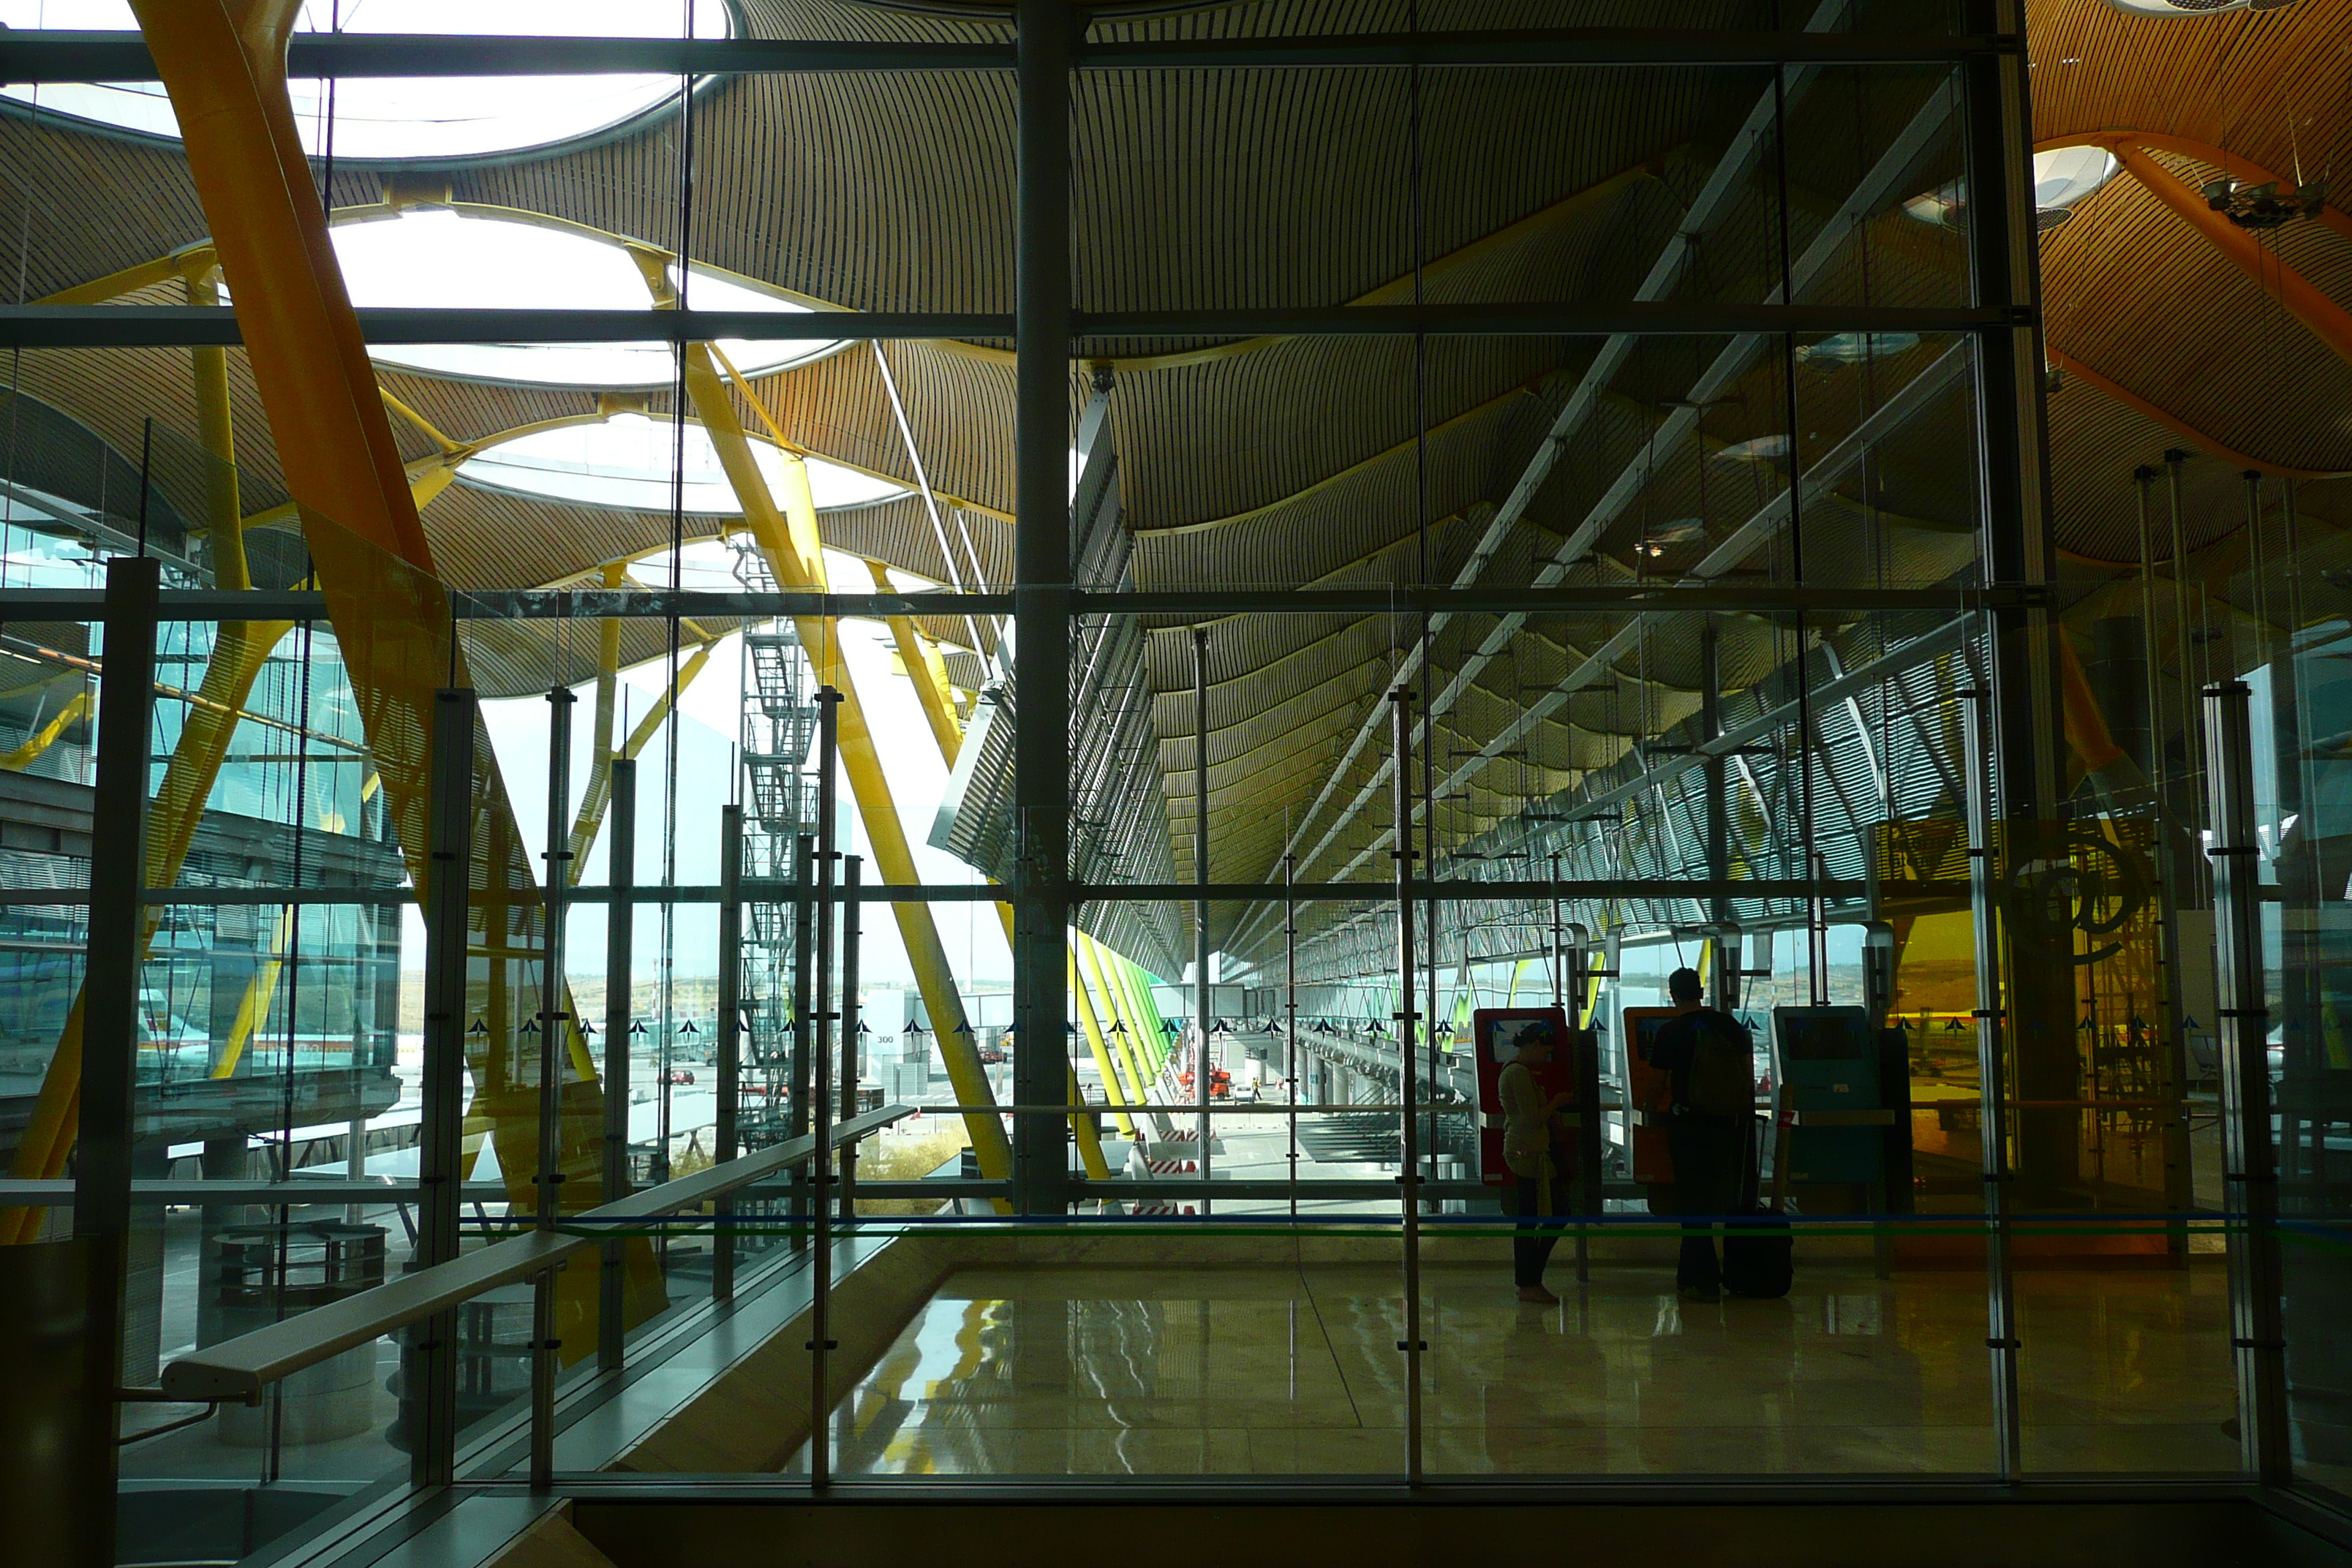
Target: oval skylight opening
x,y
406,118
438,257
624,463
2061,176
2064,175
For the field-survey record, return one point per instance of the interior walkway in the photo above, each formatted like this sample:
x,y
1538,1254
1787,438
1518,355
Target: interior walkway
x,y
1242,1371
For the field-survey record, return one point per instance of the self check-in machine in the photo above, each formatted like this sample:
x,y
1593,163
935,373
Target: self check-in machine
x,y
1645,1096
1846,1106
1574,1070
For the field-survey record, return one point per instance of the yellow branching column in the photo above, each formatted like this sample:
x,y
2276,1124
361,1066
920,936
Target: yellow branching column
x,y
1096,1043
224,64
929,673
787,537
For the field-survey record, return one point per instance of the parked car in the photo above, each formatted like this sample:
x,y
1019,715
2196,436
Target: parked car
x,y
678,1075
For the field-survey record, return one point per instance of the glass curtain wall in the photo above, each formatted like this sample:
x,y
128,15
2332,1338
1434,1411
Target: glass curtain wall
x,y
1491,587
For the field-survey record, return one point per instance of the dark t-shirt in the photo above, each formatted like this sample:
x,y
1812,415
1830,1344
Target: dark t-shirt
x,y
1671,1046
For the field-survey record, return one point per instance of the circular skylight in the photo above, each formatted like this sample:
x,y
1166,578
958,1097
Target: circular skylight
x,y
625,462
406,118
2061,176
436,257
2064,175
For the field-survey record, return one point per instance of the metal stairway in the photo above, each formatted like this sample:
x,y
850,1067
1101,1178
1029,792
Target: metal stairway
x,y
778,728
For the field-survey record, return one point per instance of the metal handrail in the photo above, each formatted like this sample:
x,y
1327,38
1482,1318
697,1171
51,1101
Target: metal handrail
x,y
237,1370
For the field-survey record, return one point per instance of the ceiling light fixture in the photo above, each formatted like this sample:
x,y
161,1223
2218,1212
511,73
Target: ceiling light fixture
x,y
2262,206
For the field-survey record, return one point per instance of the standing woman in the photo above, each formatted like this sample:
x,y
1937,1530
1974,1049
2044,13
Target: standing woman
x,y
1534,1192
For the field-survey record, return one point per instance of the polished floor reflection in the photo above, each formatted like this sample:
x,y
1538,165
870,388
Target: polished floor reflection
x,y
1262,1370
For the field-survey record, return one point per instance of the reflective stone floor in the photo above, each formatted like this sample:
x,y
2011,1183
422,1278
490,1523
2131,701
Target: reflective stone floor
x,y
1045,1372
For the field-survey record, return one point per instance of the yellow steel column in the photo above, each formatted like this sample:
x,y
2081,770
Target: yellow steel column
x,y
930,687
598,797
253,1007
600,767
1103,1064
787,537
24,755
796,532
224,64
1124,1039
208,369
1107,1052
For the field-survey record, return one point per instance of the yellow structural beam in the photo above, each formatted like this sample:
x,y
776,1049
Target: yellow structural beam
x,y
253,1007
928,673
223,62
22,756
786,536
796,557
208,374
1103,1064
598,797
925,671
1104,1044
1127,1038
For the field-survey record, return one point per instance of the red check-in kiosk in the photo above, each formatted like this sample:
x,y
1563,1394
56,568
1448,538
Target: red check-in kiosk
x,y
1574,1070
1645,1095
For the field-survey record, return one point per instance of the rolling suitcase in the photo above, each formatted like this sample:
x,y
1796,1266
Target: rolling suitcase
x,y
1759,1251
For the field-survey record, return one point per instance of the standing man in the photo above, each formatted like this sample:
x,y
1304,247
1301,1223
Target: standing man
x,y
1710,1103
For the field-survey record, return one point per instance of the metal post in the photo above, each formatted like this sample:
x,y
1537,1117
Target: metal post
x,y
2173,879
553,1020
2019,551
118,866
851,868
1558,973
2250,1165
1204,1002
620,961
727,1137
814,1086
1290,1013
554,1028
447,892
2000,1314
1817,929
1407,1172
2183,640
1045,31
805,1028
1718,814
814,1096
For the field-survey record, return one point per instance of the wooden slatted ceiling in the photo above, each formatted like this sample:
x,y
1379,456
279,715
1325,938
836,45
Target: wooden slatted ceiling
x,y
878,193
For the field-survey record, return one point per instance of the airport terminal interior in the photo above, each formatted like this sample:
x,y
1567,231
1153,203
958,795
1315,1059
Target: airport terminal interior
x,y
788,780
